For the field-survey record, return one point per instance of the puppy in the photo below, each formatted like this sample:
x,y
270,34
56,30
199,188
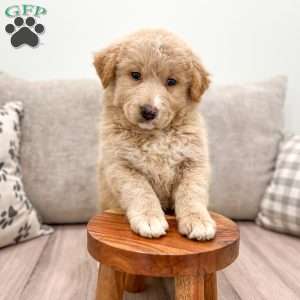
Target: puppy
x,y
154,153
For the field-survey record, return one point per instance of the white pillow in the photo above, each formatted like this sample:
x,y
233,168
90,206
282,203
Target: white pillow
x,y
18,219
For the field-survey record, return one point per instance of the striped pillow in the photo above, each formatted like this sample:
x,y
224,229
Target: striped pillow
x,y
280,207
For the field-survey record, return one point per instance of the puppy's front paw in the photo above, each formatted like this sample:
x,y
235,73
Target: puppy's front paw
x,y
195,227
149,225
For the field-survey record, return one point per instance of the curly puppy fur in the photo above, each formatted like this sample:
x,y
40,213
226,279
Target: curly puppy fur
x,y
147,166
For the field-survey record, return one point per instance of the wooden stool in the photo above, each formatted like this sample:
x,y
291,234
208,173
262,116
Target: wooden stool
x,y
126,257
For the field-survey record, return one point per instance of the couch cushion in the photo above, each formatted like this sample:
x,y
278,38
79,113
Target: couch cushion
x,y
244,129
60,142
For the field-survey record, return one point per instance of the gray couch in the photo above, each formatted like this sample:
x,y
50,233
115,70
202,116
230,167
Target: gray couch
x,y
59,154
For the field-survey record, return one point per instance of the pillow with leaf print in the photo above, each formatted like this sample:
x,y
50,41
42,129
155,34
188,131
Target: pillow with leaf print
x,y
18,219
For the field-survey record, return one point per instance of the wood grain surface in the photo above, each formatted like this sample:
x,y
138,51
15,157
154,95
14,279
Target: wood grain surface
x,y
64,268
17,264
112,242
110,284
59,267
189,287
210,286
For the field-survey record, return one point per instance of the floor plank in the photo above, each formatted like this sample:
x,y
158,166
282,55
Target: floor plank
x,y
252,275
65,270
226,290
280,252
17,263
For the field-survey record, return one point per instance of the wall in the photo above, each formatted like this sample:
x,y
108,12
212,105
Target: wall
x,y
238,40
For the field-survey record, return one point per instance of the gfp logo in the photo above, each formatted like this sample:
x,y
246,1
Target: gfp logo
x,y
25,29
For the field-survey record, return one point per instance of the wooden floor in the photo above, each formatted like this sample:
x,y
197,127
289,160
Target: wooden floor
x,y
58,267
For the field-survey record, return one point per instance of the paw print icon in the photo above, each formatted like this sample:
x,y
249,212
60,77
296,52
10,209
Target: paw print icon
x,y
24,32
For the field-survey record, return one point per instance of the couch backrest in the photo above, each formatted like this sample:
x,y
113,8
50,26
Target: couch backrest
x,y
60,144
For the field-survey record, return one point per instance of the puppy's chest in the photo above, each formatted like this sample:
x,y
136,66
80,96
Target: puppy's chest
x,y
159,159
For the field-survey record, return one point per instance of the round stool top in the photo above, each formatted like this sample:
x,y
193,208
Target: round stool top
x,y
113,243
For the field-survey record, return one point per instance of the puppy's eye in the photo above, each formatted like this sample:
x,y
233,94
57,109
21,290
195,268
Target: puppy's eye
x,y
171,82
136,75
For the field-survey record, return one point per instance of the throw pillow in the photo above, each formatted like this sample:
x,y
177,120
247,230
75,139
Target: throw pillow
x,y
18,219
280,207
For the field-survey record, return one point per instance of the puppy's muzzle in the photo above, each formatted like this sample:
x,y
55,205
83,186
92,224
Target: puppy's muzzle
x,y
148,112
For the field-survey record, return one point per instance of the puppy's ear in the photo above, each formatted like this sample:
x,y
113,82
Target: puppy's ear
x,y
105,63
200,80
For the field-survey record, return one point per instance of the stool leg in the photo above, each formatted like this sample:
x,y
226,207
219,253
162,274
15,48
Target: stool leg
x,y
110,285
134,283
189,287
210,286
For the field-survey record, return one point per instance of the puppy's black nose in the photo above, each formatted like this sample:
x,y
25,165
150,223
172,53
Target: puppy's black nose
x,y
149,112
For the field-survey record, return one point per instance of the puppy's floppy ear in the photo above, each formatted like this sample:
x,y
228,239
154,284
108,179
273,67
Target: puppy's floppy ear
x,y
105,63
200,80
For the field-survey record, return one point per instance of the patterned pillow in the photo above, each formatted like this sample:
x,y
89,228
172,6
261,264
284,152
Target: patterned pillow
x,y
280,207
18,219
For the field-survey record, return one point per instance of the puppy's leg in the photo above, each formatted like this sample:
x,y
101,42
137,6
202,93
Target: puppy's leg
x,y
138,200
191,199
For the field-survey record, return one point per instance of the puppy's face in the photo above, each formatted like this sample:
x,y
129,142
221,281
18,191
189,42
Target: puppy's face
x,y
152,76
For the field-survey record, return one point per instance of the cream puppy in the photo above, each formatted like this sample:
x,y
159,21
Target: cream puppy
x,y
154,153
